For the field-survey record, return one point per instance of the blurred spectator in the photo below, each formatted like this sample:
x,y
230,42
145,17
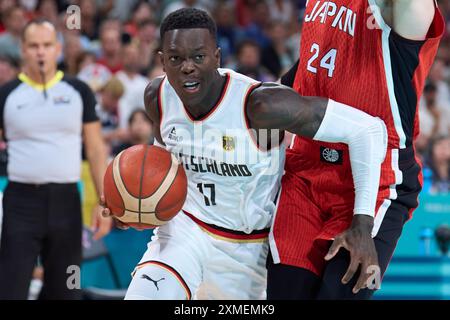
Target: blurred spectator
x,y
434,119
84,59
48,9
134,84
118,9
248,61
5,5
107,111
146,42
14,21
260,21
111,46
72,49
90,18
439,163
437,75
9,68
243,11
94,74
277,57
141,12
179,4
140,131
227,31
282,10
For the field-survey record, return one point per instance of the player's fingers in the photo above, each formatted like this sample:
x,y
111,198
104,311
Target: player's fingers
x,y
105,226
94,221
369,269
106,212
102,200
362,280
121,225
352,268
334,248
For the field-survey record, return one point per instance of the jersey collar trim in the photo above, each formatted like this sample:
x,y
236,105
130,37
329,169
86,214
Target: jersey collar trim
x,y
57,78
216,106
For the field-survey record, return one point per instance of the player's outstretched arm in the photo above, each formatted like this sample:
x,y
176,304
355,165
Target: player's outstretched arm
x,y
411,18
273,106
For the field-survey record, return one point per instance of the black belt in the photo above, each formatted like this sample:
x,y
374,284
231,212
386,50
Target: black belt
x,y
39,186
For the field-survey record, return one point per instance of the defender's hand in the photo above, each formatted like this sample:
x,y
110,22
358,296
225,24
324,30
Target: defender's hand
x,y
358,241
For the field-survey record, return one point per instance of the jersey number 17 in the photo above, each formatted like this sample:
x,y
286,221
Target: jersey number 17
x,y
211,200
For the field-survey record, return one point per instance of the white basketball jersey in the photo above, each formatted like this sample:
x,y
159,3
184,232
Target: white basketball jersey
x,y
231,182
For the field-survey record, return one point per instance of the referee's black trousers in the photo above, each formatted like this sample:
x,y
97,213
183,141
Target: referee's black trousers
x,y
40,220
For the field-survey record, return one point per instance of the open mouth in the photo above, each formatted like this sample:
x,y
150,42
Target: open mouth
x,y
191,86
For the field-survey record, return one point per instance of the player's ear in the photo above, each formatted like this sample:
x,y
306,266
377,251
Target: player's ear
x,y
161,58
217,56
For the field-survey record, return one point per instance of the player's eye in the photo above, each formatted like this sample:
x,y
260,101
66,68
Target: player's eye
x,y
173,59
199,57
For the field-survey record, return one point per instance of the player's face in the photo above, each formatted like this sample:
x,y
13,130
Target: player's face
x,y
190,58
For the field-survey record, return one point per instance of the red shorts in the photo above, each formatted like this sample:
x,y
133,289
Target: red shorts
x,y
317,201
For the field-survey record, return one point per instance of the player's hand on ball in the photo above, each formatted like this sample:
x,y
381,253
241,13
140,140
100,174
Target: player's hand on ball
x,y
106,213
101,224
358,241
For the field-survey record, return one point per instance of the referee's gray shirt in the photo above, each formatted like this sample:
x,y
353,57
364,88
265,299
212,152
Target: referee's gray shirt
x,y
44,134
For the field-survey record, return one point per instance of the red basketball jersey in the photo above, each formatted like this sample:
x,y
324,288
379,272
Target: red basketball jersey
x,y
349,54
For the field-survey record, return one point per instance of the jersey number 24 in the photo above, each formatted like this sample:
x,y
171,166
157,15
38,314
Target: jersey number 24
x,y
327,62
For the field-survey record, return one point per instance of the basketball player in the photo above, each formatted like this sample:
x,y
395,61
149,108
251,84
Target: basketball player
x,y
204,115
374,55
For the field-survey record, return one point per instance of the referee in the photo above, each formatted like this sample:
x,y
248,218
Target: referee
x,y
44,116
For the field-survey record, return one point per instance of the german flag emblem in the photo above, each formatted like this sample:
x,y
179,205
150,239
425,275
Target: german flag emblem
x,y
228,143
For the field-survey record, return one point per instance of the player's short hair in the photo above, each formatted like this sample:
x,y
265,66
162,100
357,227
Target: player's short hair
x,y
188,18
38,21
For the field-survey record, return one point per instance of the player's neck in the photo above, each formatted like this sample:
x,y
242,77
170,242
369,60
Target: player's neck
x,y
209,102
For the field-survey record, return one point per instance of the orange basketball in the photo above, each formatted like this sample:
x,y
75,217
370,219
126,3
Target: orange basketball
x,y
145,186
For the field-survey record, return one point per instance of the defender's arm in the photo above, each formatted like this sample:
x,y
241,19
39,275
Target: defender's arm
x,y
273,106
410,18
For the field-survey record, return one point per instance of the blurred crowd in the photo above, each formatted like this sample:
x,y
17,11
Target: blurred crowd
x,y
115,50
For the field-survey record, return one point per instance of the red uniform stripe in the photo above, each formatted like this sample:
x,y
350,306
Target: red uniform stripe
x,y
231,234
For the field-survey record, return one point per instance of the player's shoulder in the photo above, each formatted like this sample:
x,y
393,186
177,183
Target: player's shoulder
x,y
238,78
152,88
151,97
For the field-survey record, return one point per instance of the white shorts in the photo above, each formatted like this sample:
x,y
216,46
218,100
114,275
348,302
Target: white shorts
x,y
184,260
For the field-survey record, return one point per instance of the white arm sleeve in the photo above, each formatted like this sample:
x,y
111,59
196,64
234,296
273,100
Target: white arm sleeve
x,y
366,137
